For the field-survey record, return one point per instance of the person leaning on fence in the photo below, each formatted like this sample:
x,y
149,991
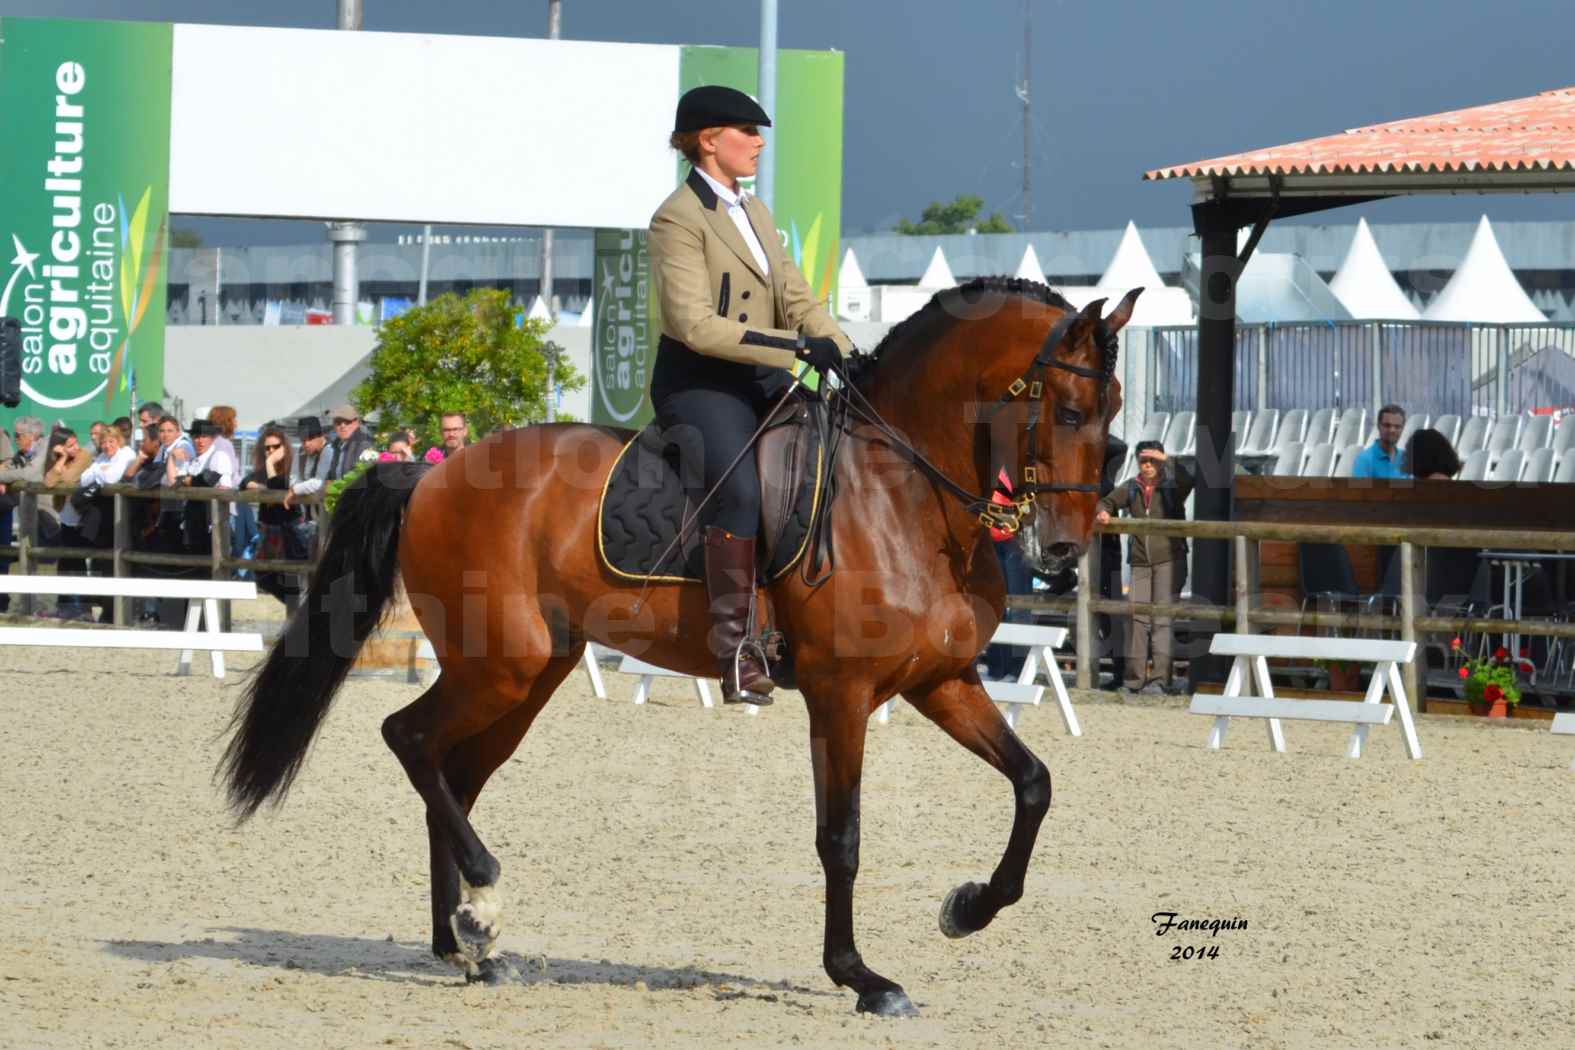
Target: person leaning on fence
x,y
1159,563
87,519
279,527
1430,457
25,462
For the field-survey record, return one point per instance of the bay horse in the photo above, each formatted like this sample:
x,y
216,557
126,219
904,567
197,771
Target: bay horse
x,y
497,547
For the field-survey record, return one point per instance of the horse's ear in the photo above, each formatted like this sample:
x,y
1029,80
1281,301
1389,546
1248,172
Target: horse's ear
x,y
1090,314
1123,312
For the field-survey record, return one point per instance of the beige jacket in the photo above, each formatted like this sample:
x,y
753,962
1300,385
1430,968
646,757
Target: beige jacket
x,y
713,297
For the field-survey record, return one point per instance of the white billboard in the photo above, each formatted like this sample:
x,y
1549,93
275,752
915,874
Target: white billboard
x,y
323,124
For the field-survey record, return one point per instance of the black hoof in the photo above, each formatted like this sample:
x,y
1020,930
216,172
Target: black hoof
x,y
956,910
493,972
893,1002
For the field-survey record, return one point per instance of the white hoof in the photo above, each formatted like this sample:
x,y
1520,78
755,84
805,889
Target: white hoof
x,y
477,922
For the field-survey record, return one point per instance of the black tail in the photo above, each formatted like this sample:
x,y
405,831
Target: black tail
x,y
280,712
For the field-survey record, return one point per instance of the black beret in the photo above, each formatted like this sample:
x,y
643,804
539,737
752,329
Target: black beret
x,y
310,427
203,428
715,106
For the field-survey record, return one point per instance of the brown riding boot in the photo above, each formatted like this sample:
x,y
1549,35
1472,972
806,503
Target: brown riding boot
x,y
729,587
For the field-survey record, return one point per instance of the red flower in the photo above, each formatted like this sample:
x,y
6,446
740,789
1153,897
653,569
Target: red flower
x,y
1527,667
1465,672
1492,693
1454,643
1500,653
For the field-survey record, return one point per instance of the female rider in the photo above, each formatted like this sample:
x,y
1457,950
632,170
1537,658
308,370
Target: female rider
x,y
737,316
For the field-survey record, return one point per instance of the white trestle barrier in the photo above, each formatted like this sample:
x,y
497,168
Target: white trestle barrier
x,y
203,624
1252,653
1041,643
1564,722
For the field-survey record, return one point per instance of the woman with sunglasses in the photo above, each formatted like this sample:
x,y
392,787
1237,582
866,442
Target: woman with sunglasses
x,y
278,526
737,317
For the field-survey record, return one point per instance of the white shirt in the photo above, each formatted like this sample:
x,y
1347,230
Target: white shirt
x,y
104,470
736,212
219,460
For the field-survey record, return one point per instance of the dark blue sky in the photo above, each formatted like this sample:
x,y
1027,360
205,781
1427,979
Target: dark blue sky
x,y
1119,87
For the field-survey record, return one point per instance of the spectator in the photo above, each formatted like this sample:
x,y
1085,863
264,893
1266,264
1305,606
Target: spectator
x,y
399,447
223,417
456,432
1159,563
84,521
96,435
312,470
281,528
1381,459
213,466
24,463
351,439
68,461
170,442
123,424
1430,456
148,417
243,517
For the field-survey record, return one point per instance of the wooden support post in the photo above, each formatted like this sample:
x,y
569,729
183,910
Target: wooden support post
x,y
1411,603
1087,585
219,534
26,530
1243,567
122,604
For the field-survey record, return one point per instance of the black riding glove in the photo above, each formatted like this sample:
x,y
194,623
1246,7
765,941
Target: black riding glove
x,y
820,352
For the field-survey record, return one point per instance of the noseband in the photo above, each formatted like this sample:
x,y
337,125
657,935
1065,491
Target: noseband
x,y
1008,517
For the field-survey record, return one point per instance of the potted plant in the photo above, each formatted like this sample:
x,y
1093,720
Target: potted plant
x,y
1492,684
1345,676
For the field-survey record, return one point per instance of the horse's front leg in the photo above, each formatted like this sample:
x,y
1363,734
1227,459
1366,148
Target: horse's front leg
x,y
837,747
962,708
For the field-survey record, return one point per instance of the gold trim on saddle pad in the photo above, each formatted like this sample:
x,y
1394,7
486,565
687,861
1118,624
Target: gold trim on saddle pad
x,y
601,550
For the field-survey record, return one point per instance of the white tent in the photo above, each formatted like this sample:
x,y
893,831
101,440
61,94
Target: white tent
x,y
1029,269
938,274
853,291
1131,267
587,314
1364,284
539,311
1483,288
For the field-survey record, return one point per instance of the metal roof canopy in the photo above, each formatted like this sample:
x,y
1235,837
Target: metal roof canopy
x,y
1522,146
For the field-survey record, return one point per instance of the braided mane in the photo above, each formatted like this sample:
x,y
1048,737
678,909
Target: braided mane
x,y
861,364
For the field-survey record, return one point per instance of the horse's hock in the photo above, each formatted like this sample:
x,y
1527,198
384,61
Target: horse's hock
x,y
393,648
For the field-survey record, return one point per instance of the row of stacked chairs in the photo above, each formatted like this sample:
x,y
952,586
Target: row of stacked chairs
x,y
1325,442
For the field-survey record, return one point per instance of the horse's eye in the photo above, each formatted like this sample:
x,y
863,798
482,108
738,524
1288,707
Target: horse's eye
x,y
1069,417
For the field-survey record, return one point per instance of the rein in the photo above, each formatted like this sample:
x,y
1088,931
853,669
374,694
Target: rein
x,y
1006,517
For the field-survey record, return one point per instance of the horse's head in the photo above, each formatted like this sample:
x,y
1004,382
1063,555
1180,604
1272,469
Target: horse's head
x,y
1061,447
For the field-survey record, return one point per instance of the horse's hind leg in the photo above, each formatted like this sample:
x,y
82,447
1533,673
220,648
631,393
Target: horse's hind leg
x,y
967,714
466,769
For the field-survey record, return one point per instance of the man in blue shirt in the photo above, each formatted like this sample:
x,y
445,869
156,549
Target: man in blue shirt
x,y
1381,459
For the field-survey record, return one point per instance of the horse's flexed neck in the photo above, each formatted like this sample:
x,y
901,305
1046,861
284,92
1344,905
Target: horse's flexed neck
x,y
1001,384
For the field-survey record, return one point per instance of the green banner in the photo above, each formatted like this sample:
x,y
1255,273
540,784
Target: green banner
x,y
626,329
85,119
807,147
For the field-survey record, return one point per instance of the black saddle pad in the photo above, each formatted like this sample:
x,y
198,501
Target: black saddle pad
x,y
654,488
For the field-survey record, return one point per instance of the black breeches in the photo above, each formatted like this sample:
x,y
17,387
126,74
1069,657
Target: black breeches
x,y
713,426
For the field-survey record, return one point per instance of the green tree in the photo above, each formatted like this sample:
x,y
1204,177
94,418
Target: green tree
x,y
473,355
960,216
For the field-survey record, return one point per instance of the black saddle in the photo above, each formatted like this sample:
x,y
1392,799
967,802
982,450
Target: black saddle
x,y
656,485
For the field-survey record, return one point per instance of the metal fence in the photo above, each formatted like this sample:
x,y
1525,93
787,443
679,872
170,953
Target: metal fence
x,y
1430,367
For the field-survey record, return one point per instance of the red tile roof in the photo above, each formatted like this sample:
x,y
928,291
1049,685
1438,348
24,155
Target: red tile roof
x,y
1523,134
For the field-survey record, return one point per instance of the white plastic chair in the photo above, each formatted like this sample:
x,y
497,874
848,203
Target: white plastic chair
x,y
1352,427
1564,437
1345,462
1476,466
1473,436
1293,429
1449,426
1289,462
1320,428
1260,436
1412,425
1508,465
1503,435
1535,434
1182,433
1539,467
1564,473
1320,461
1240,420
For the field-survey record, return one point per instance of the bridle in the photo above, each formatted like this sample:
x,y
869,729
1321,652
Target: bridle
x,y
1007,517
